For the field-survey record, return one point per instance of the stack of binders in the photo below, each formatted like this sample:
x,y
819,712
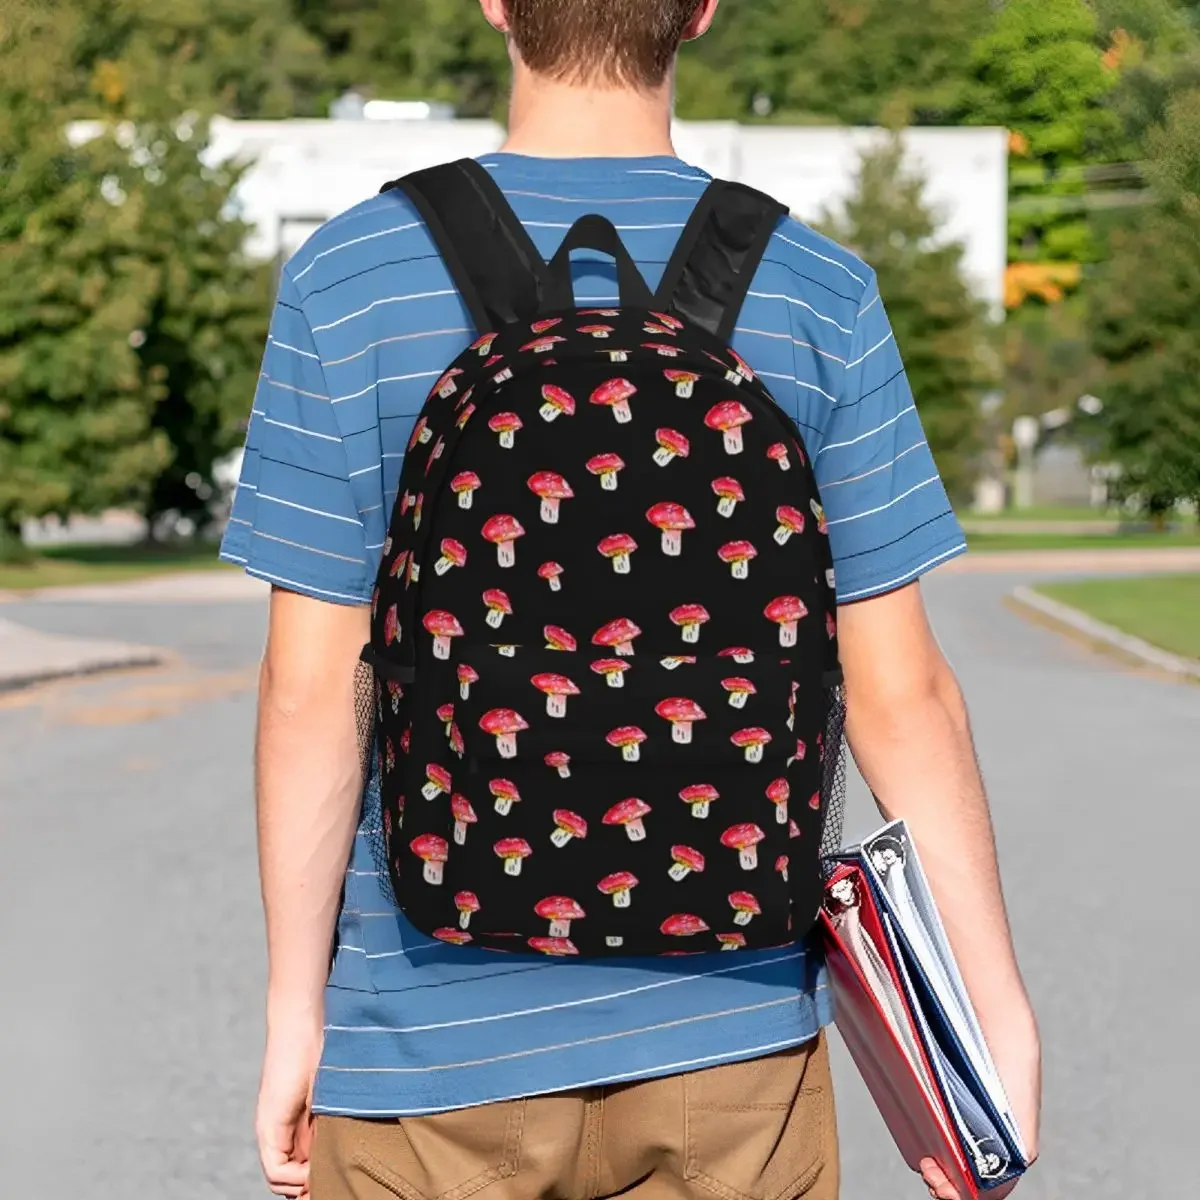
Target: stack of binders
x,y
904,1014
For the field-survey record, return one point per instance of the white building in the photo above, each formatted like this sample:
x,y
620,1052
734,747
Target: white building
x,y
305,172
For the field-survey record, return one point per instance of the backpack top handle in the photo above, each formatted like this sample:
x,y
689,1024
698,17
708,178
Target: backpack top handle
x,y
595,233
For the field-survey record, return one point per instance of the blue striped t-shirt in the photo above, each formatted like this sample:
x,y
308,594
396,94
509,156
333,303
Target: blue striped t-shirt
x,y
366,320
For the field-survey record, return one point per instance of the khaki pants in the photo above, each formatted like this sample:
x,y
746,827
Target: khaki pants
x,y
759,1130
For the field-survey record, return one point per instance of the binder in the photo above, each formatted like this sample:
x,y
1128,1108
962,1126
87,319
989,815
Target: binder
x,y
905,1016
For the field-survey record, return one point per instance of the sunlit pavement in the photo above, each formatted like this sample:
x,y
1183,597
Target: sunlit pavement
x,y
130,1011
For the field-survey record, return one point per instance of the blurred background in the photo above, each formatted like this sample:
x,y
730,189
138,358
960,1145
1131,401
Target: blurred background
x,y
1024,176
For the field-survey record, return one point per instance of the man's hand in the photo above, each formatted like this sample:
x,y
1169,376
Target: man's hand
x,y
907,725
309,796
283,1123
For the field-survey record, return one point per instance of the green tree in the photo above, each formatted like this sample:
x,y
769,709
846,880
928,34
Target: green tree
x,y
1146,323
942,330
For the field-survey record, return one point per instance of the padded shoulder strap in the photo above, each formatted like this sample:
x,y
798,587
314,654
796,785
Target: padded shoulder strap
x,y
710,272
492,259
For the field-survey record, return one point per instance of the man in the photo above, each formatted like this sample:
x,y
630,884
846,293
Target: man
x,y
439,1071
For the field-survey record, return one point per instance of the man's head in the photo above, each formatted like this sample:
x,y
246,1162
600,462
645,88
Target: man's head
x,y
613,43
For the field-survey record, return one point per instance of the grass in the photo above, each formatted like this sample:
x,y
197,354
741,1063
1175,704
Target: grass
x,y
1080,541
1161,609
60,566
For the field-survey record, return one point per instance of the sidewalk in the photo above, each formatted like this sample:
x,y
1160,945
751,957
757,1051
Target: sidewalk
x,y
184,587
28,657
1131,561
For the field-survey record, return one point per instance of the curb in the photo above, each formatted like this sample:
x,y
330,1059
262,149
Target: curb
x,y
49,657
1072,620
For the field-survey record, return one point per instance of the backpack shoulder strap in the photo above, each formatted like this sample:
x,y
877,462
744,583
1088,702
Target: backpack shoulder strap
x,y
491,258
710,273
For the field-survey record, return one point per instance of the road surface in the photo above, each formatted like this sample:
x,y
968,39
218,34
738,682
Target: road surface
x,y
132,950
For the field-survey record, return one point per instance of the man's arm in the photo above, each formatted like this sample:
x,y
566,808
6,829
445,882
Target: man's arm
x,y
309,784
908,729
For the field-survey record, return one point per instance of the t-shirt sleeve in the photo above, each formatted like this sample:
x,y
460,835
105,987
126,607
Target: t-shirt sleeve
x,y
294,520
889,518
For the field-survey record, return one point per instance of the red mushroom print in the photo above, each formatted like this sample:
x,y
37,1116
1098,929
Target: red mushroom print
x,y
455,738
618,886
683,925
818,511
684,381
483,347
499,606
445,714
596,331
652,327
627,739
559,761
446,386
464,816
739,654
567,825
558,639
395,694
744,839
700,796
689,618
778,453
671,445
814,801
454,554
540,327
417,504
743,367
503,530
557,403
791,520
454,937
674,324
542,345
553,489
663,349
682,714
616,354
685,861
467,675
615,394
738,556
551,572
739,690
421,433
728,417
598,312
745,906
463,417
432,850
629,813
672,519
801,752
443,626
729,494
437,781
781,865
732,941
786,612
557,689
830,626
466,903
389,757
506,794
504,725
513,851
752,741
617,635
560,911
793,829
618,548
555,947
607,467
673,662
506,425
391,625
613,670
778,793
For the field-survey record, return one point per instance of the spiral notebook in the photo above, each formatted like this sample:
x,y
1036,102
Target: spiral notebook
x,y
905,1015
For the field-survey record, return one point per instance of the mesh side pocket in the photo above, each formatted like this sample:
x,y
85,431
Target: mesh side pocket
x,y
833,779
368,699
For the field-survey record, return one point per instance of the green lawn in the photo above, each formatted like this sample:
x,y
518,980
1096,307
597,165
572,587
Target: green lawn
x,y
1162,609
64,565
1079,541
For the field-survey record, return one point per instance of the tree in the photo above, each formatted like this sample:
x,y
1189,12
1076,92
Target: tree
x,y
1146,325
941,329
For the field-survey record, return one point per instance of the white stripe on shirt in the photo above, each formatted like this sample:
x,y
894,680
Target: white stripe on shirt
x,y
367,237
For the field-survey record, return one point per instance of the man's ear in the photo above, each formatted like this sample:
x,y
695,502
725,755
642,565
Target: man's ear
x,y
701,21
495,12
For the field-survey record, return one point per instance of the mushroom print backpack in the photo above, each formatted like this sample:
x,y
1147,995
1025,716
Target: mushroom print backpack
x,y
608,703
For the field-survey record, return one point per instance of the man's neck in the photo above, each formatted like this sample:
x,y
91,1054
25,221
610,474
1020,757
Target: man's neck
x,y
549,119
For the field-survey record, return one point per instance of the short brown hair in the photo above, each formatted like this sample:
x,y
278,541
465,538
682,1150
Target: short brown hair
x,y
630,42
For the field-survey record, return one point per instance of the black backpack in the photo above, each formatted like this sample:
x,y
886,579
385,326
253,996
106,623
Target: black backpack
x,y
608,700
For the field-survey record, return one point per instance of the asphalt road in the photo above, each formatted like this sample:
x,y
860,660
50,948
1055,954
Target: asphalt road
x,y
132,965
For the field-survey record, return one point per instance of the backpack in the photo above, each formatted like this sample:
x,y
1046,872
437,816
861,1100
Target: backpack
x,y
607,695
